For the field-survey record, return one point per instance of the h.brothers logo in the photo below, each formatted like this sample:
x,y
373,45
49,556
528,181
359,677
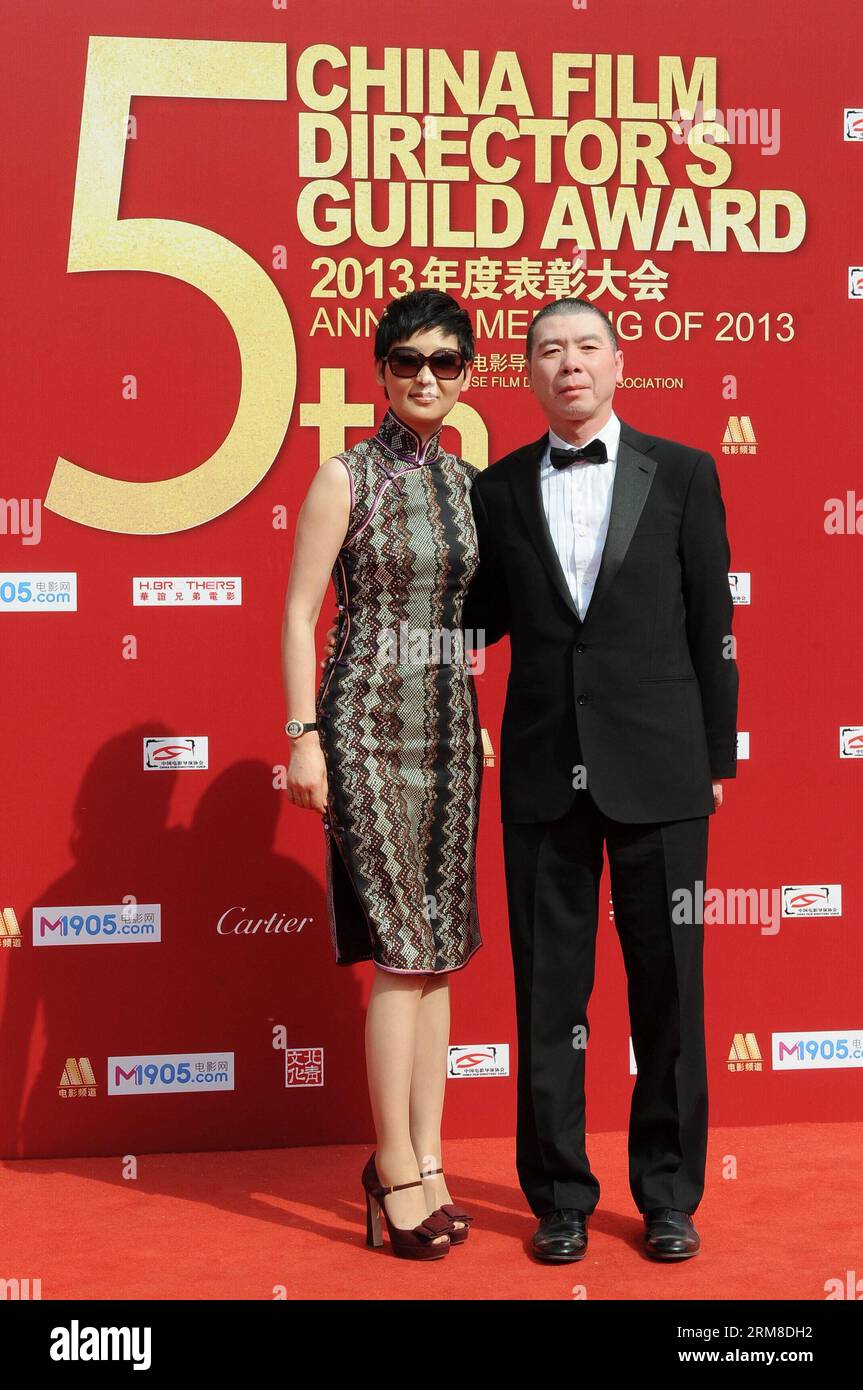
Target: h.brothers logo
x,y
195,591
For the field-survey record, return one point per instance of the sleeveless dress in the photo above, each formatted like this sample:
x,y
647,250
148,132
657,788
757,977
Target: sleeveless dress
x,y
397,712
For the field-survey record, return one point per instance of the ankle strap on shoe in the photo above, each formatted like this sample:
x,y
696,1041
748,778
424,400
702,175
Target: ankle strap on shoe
x,y
400,1186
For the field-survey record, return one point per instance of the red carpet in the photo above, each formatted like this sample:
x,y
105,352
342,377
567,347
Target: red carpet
x,y
236,1225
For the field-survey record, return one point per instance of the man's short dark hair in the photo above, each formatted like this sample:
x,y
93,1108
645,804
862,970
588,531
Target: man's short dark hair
x,y
420,310
571,306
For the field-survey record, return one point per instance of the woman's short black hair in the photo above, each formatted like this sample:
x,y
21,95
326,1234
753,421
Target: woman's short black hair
x,y
421,309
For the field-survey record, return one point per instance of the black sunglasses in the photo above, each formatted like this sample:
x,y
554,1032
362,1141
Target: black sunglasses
x,y
406,362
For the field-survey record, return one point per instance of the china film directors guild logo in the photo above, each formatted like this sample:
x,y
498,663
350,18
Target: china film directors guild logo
x,y
811,899
851,741
853,123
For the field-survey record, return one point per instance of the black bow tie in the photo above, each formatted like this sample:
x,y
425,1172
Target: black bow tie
x,y
594,452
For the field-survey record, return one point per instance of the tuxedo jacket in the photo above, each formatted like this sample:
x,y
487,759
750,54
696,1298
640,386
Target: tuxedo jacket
x,y
643,692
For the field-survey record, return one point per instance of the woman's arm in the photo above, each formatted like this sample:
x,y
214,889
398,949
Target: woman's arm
x,y
322,524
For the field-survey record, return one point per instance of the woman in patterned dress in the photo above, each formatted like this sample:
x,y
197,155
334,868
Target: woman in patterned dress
x,y
394,759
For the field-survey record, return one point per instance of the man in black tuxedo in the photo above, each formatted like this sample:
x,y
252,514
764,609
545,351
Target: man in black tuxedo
x,y
609,571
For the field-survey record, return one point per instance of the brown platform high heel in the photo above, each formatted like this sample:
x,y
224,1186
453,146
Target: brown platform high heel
x,y
420,1243
454,1213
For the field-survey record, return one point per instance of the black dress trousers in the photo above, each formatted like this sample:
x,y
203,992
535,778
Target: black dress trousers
x,y
552,877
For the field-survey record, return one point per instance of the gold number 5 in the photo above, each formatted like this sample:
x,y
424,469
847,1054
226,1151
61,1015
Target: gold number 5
x,y
118,68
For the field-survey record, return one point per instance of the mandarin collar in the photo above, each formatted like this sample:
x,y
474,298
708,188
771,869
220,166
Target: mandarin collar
x,y
405,443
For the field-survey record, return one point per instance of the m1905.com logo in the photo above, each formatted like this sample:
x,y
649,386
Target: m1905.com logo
x,y
483,1059
812,900
855,282
196,1072
82,925
50,591
818,1051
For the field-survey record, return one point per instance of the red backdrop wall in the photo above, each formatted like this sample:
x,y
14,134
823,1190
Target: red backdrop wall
x,y
144,350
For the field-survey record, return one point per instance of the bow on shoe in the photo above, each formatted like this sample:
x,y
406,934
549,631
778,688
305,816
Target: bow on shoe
x,y
435,1225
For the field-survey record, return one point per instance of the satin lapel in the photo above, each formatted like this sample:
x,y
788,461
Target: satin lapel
x,y
526,490
633,476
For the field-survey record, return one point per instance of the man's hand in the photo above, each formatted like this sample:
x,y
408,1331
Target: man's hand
x,y
331,641
330,647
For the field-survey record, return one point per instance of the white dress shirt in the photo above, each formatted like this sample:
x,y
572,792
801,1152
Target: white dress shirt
x,y
577,504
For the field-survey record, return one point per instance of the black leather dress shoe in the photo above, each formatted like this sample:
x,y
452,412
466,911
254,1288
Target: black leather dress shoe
x,y
670,1234
561,1235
